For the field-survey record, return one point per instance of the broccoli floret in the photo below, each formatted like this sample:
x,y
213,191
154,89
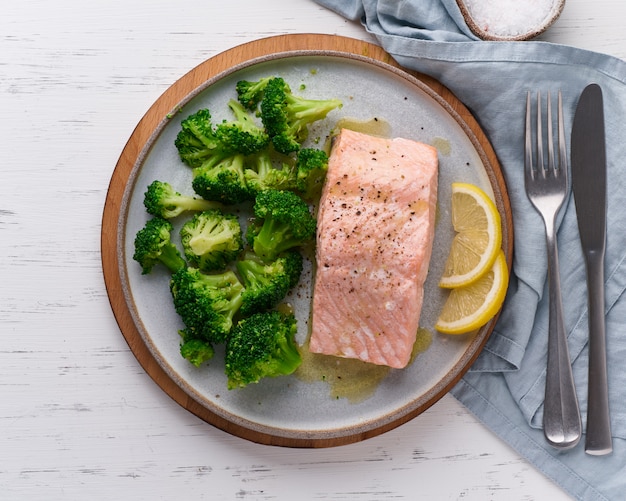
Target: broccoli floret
x,y
196,141
266,284
250,93
242,135
211,239
161,199
196,351
311,169
286,117
201,143
223,182
153,245
263,175
282,221
206,303
262,345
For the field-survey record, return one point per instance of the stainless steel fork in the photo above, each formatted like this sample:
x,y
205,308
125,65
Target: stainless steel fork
x,y
546,187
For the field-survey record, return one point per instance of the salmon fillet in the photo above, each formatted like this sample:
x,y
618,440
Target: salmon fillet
x,y
376,225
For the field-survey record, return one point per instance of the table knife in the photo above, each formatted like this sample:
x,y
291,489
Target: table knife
x,y
588,163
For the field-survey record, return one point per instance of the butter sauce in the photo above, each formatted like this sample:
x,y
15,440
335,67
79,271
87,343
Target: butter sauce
x,y
374,126
442,145
349,378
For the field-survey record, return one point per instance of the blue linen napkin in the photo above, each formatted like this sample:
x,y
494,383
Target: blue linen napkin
x,y
505,386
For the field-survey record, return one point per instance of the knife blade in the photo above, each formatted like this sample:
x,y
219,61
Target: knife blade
x,y
588,164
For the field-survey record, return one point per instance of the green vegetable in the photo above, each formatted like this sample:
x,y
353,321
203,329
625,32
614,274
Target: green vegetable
x,y
242,135
311,169
286,117
153,245
282,222
161,199
223,182
262,345
196,351
225,292
206,303
266,284
250,93
262,175
211,240
196,142
200,143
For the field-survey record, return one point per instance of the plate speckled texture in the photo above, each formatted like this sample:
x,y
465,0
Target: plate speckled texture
x,y
289,410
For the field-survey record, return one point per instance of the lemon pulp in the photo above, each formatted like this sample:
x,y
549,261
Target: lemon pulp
x,y
478,237
471,306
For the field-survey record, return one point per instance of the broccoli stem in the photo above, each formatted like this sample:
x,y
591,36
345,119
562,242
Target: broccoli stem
x,y
171,258
198,204
289,355
273,238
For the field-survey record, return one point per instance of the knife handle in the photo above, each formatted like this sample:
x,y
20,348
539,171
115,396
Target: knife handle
x,y
598,440
561,416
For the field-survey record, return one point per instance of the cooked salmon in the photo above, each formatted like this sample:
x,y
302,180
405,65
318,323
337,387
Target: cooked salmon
x,y
376,225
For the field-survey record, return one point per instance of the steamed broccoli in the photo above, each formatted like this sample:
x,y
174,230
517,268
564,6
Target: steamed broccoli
x,y
196,141
286,117
195,350
153,245
266,284
250,93
242,135
282,221
211,239
206,303
223,181
201,143
161,199
311,169
262,345
263,175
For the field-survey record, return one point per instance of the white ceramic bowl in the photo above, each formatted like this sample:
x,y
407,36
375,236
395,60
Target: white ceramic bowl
x,y
510,19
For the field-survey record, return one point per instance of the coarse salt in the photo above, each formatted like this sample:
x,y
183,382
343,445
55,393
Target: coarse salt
x,y
512,18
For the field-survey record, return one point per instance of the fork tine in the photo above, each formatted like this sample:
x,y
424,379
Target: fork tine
x,y
551,164
540,167
561,131
528,146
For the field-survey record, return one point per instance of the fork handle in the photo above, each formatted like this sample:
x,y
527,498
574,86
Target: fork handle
x,y
598,439
561,416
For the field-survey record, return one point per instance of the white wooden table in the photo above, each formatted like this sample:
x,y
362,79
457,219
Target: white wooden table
x,y
79,418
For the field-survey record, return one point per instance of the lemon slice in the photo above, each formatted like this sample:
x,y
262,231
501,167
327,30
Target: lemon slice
x,y
472,306
478,238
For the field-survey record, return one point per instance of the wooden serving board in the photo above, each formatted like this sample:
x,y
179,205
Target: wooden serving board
x,y
112,225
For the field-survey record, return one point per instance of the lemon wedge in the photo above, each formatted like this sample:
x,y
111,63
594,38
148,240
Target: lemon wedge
x,y
472,306
478,238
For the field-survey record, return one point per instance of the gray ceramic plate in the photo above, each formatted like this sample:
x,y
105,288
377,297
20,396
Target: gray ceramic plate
x,y
309,405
